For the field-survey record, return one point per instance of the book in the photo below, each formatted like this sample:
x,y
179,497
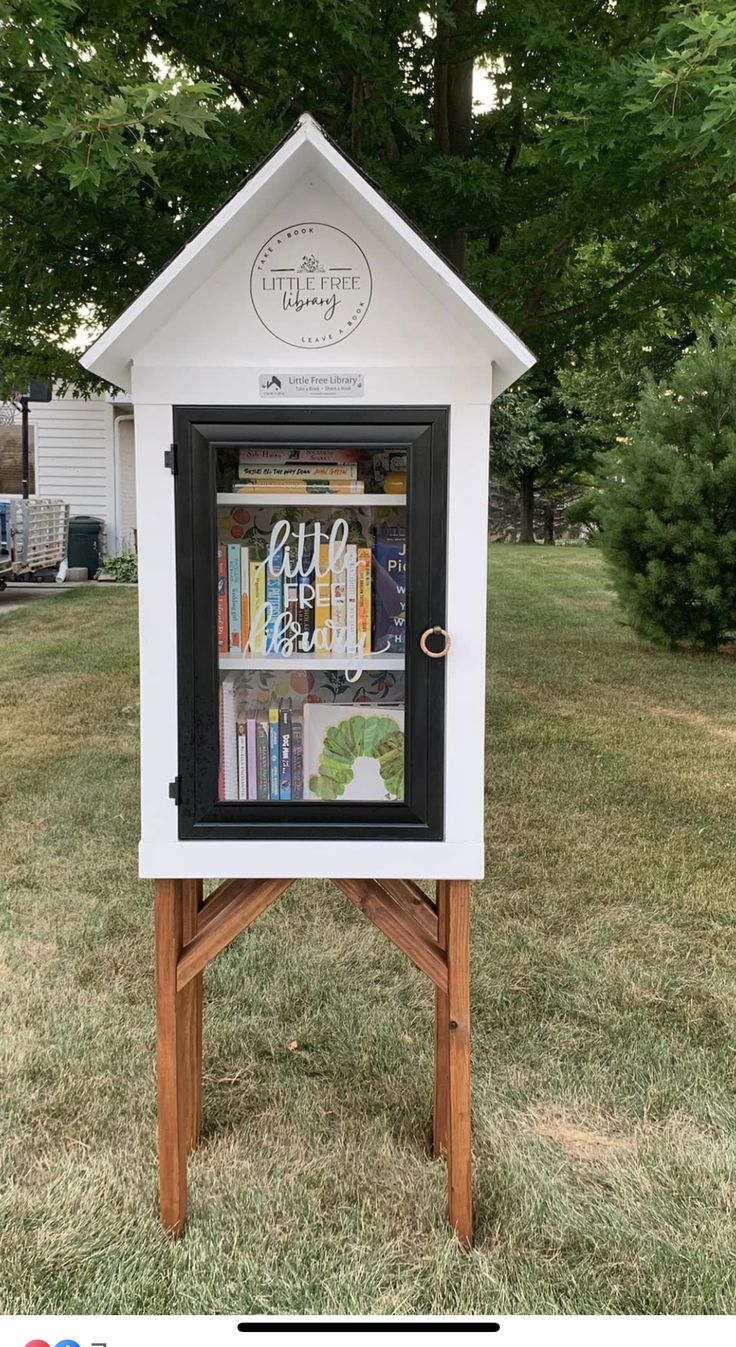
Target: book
x,y
353,752
223,620
271,453
297,487
365,559
297,757
257,633
339,611
256,472
263,758
242,761
291,606
233,591
252,757
229,740
351,597
285,749
244,597
322,606
389,589
305,609
274,603
274,752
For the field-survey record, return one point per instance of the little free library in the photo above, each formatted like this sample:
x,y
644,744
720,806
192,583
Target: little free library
x,y
312,387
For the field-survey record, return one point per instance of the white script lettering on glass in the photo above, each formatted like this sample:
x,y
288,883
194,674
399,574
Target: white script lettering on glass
x,y
293,563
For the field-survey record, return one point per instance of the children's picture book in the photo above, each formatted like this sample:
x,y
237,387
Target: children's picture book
x,y
353,753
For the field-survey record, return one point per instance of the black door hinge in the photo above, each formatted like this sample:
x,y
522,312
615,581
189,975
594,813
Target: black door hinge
x,y
175,790
170,459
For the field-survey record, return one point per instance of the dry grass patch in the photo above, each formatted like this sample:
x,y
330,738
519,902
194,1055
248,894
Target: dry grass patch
x,y
581,1143
697,720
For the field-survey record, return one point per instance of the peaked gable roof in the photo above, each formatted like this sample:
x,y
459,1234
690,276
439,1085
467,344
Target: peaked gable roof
x,y
305,146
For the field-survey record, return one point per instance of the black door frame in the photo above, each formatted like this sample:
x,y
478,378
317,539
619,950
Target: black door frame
x,y
198,431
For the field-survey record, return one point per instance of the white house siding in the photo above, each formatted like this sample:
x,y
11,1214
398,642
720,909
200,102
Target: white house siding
x,y
126,485
75,459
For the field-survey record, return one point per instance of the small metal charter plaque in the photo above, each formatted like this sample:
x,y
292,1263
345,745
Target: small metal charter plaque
x,y
311,383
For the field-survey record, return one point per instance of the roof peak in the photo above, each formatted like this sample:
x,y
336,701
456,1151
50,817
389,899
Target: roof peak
x,y
111,354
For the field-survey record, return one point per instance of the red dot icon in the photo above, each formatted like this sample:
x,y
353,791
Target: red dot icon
x,y
37,1342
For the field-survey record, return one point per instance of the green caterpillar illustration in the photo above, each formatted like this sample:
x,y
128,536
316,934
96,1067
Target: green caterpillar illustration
x,y
360,737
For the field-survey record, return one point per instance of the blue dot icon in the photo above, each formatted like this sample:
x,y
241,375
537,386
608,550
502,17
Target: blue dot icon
x,y
67,1342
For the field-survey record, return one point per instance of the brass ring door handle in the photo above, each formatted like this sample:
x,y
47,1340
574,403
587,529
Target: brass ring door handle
x,y
435,631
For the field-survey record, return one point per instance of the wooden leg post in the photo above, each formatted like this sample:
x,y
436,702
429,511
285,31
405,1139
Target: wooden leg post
x,y
173,1057
192,1019
441,1040
190,933
455,909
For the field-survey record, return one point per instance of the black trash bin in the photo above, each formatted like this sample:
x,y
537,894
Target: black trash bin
x,y
85,543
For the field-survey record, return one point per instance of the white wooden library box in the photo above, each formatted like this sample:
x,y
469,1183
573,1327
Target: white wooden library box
x,y
312,386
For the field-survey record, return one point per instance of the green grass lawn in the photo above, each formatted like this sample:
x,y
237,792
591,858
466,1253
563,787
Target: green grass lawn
x,y
604,982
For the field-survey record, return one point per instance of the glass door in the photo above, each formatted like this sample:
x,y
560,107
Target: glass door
x,y
311,560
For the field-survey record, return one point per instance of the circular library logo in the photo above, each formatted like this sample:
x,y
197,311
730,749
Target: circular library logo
x,y
311,285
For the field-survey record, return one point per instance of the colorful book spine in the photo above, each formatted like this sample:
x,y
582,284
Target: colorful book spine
x,y
242,761
254,472
263,760
244,597
274,753
290,644
229,740
305,610
389,590
339,611
322,587
253,453
257,634
285,750
233,589
223,621
351,598
297,758
252,757
292,487
274,601
365,558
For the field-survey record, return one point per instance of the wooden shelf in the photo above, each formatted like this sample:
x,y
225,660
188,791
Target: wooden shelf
x,y
318,498
310,662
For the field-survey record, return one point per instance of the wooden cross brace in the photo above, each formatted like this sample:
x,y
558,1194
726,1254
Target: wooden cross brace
x,y
191,932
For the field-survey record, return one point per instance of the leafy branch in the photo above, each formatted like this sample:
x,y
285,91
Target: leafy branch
x,y
117,135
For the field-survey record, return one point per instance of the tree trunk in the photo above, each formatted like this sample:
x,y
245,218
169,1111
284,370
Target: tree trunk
x,y
549,522
453,102
526,501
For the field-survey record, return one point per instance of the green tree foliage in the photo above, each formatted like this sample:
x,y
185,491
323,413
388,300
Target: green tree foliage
x,y
668,508
595,190
538,445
